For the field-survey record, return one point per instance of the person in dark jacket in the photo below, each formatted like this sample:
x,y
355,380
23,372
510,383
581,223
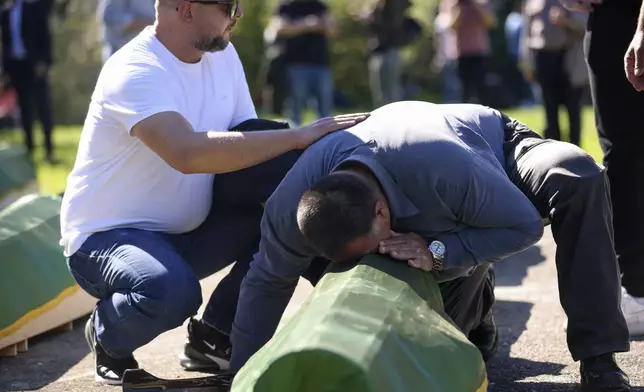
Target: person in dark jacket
x,y
613,41
26,60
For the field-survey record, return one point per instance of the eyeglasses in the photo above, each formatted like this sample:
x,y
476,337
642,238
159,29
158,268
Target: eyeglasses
x,y
232,6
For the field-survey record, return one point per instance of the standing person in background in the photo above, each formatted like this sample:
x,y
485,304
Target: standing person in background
x,y
306,26
613,41
274,80
552,52
390,29
471,21
122,20
445,60
513,29
26,60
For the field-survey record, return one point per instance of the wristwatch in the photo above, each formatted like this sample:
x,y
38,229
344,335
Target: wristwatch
x,y
437,249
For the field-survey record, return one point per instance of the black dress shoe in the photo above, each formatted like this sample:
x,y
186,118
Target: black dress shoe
x,y
601,374
486,337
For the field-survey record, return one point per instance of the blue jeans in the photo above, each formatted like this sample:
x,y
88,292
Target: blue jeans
x,y
385,73
307,81
451,83
148,282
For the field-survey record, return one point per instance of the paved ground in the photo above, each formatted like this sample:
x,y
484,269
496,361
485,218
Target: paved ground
x,y
533,355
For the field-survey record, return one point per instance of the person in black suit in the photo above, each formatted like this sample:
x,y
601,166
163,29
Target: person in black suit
x,y
26,60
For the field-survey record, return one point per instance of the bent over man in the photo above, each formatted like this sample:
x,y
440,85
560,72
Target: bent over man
x,y
449,189
141,221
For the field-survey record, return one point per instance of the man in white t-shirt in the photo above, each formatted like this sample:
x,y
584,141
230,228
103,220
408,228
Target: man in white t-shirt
x,y
161,195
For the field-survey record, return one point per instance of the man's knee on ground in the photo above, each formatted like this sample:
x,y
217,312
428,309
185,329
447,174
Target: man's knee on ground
x,y
170,297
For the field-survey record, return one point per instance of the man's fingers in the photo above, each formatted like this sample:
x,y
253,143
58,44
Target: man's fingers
x,y
629,69
423,264
639,61
349,115
401,247
402,254
393,241
405,253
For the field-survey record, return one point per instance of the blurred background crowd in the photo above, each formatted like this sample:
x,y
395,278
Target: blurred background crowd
x,y
317,56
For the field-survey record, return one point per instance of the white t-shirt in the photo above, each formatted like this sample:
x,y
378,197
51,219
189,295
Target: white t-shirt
x,y
117,181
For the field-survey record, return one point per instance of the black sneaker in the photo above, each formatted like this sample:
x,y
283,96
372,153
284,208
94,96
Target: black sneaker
x,y
109,370
206,349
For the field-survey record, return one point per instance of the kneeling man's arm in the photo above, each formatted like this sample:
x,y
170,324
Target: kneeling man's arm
x,y
268,287
172,137
500,220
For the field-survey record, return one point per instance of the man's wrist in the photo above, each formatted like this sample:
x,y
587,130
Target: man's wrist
x,y
299,137
437,252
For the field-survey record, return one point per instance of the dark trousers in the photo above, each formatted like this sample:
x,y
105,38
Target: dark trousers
x,y
571,192
468,300
557,90
33,93
148,282
619,117
472,71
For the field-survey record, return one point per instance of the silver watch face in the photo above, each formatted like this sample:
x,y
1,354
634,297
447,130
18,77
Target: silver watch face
x,y
437,248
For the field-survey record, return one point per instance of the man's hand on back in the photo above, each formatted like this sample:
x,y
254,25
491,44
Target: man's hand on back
x,y
172,137
313,132
409,247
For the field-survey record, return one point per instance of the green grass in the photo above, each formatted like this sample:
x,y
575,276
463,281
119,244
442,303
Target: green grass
x,y
52,178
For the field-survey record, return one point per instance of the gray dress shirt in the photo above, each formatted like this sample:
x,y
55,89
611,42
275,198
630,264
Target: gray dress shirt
x,y
441,169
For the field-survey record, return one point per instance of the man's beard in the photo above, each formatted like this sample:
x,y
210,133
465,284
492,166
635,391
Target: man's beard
x,y
211,44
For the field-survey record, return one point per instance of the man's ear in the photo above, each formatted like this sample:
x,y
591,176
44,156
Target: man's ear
x,y
381,210
185,10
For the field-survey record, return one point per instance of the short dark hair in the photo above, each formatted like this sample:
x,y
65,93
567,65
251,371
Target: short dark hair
x,y
336,210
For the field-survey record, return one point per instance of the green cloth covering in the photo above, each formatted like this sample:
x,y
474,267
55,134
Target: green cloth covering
x,y
378,326
16,169
33,270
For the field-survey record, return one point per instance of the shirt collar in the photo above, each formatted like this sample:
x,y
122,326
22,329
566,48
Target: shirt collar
x,y
399,204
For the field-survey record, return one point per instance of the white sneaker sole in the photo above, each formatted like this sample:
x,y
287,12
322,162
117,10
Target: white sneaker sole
x,y
104,381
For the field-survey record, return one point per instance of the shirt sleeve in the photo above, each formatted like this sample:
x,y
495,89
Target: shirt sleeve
x,y
499,219
136,93
268,286
244,108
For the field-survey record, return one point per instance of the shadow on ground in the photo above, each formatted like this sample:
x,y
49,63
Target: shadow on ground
x,y
513,270
506,373
50,356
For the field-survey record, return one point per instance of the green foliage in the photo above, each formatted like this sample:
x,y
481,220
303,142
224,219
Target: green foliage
x,y
77,56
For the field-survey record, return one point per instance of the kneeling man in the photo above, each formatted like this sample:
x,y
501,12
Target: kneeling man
x,y
449,189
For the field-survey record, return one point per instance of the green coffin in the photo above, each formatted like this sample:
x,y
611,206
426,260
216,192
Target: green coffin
x,y
376,327
33,271
16,170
